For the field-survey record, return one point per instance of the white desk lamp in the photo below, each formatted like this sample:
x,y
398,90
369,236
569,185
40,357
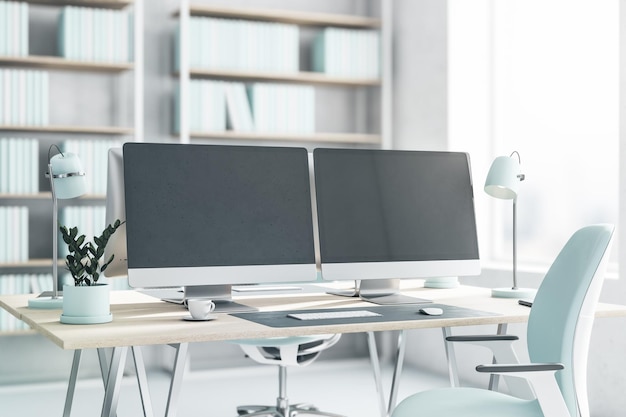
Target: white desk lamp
x,y
67,180
503,182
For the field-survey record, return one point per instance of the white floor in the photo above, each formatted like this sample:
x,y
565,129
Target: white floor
x,y
343,387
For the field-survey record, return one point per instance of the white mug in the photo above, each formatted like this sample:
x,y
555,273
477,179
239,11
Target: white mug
x,y
200,308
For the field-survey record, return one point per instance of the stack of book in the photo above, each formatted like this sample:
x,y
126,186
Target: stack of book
x,y
93,155
21,284
19,166
283,108
98,35
17,284
241,45
89,220
24,97
215,106
14,236
347,52
206,106
13,28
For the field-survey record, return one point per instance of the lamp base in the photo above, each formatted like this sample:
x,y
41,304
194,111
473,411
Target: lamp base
x,y
46,303
513,292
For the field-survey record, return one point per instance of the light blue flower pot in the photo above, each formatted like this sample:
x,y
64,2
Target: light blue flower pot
x,y
86,304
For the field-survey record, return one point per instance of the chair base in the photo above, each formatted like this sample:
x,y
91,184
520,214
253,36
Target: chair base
x,y
270,411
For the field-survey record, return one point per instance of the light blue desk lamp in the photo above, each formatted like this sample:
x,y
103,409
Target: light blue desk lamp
x,y
503,181
67,180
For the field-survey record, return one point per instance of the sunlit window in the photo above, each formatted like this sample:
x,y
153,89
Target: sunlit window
x,y
544,79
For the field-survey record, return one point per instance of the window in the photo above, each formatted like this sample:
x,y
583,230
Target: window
x,y
542,78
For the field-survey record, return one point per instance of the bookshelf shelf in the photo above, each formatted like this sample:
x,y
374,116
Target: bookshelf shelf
x,y
356,138
107,4
286,16
54,62
25,80
92,130
45,196
367,81
303,77
30,264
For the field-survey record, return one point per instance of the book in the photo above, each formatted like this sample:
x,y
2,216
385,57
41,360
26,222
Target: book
x,y
239,113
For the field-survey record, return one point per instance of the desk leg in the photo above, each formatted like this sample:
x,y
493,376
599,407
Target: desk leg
x,y
450,358
142,381
371,341
494,380
393,395
71,386
177,379
116,371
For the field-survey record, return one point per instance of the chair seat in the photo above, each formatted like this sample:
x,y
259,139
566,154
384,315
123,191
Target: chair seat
x,y
466,402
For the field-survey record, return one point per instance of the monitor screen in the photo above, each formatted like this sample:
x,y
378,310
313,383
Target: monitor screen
x,y
395,214
205,215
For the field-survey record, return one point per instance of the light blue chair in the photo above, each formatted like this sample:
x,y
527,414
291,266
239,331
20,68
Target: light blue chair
x,y
285,352
558,334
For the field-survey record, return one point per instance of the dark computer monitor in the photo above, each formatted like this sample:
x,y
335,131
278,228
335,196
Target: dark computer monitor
x,y
387,214
206,217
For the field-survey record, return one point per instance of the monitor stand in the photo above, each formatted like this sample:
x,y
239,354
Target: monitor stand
x,y
380,291
221,295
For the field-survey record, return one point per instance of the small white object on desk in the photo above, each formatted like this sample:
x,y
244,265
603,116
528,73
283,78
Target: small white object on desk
x,y
326,315
200,308
431,311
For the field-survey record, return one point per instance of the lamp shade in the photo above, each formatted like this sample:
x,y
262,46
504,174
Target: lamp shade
x,y
68,176
503,178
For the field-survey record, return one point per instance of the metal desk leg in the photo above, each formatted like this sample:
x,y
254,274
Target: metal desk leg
x,y
71,386
371,341
142,382
177,379
494,380
116,371
142,379
393,395
450,358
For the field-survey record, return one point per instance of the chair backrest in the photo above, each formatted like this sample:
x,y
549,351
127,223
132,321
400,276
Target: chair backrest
x,y
561,318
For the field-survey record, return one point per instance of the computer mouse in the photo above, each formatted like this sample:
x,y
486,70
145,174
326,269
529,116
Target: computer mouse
x,y
431,311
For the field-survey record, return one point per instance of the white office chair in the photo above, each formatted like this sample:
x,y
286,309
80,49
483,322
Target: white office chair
x,y
558,333
285,352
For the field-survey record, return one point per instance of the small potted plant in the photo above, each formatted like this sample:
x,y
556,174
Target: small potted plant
x,y
87,301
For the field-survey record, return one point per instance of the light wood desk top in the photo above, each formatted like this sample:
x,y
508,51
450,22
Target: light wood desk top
x,y
139,319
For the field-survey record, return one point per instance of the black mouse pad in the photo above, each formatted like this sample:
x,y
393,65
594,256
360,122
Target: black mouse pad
x,y
386,313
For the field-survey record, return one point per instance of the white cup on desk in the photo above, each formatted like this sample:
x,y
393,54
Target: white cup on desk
x,y
200,308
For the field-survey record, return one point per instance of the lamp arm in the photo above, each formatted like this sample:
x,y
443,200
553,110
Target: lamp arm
x,y
55,237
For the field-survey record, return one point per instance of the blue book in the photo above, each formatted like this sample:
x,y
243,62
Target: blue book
x,y
23,29
3,31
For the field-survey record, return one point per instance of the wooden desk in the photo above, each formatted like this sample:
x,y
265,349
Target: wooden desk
x,y
139,319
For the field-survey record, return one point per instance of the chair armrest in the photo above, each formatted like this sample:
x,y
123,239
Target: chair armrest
x,y
508,368
481,338
502,348
542,380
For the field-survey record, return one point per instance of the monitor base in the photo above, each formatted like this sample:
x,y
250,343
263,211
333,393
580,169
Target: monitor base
x,y
380,291
219,294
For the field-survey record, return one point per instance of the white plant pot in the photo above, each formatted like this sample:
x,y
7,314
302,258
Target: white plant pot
x,y
86,304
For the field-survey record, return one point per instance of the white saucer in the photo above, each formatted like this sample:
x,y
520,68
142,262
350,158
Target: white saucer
x,y
210,317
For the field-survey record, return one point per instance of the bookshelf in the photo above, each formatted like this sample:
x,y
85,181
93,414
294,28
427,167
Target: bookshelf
x,y
306,77
91,134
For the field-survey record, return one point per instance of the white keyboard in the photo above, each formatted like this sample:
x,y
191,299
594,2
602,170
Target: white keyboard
x,y
325,315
